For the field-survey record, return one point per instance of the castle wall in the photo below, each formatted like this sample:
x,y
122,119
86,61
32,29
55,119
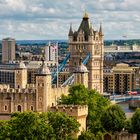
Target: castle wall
x,y
56,94
12,100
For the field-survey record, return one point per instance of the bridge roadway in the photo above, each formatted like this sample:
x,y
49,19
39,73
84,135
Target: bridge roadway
x,y
120,98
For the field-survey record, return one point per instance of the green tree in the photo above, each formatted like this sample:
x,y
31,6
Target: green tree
x,y
39,126
30,125
80,95
64,127
5,130
86,135
135,122
113,119
96,104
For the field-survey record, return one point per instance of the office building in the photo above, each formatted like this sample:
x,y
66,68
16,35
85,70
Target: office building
x,y
51,52
120,79
8,50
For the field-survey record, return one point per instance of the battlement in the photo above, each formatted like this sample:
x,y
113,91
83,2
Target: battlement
x,y
13,90
2,86
71,110
60,90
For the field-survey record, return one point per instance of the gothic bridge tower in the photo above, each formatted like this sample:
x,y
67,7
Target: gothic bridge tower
x,y
83,41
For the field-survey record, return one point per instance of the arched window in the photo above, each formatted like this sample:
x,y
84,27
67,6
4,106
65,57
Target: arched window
x,y
19,108
32,108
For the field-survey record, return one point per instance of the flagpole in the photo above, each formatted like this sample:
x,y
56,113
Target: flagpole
x,y
57,64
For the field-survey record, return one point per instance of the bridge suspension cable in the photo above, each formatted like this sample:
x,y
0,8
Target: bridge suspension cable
x,y
60,67
70,80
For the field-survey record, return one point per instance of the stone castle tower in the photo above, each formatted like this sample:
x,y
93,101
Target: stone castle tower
x,y
86,40
43,89
21,73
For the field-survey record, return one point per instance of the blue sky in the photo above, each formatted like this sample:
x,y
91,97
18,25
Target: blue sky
x,y
50,19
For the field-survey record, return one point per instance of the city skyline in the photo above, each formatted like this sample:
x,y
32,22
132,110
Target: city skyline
x,y
39,19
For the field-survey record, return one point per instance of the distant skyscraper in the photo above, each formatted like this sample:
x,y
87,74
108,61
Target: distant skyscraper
x,y
8,50
51,52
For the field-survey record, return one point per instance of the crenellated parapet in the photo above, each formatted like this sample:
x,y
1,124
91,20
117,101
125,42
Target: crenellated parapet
x,y
13,90
71,110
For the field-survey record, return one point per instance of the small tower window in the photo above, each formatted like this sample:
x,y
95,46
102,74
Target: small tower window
x,y
40,99
19,108
5,108
32,108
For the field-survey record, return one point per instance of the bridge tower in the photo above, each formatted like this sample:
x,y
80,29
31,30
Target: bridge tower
x,y
81,74
83,41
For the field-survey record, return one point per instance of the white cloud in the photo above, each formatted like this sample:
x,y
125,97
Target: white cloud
x,y
50,19
16,4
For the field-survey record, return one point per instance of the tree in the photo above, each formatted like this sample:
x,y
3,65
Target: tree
x,y
135,122
39,126
86,135
64,127
30,125
80,95
113,119
96,104
5,130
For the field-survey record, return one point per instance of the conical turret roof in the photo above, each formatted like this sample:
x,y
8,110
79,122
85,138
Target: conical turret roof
x,y
44,69
70,30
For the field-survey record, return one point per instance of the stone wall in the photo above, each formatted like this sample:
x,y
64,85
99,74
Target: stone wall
x,y
120,136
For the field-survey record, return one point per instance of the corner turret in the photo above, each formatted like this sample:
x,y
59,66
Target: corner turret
x,y
100,30
70,31
81,74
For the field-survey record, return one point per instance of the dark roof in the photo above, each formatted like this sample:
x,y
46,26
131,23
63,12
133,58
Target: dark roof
x,y
70,31
85,26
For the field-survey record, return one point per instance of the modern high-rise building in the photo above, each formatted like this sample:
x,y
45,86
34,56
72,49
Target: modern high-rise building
x,y
51,53
8,50
87,41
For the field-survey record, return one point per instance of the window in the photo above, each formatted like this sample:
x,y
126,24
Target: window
x,y
40,99
32,108
19,108
5,108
